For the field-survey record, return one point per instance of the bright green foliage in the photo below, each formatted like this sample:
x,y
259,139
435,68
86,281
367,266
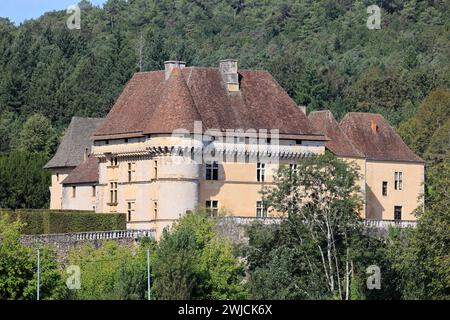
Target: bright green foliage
x,y
110,272
18,267
310,255
37,135
193,262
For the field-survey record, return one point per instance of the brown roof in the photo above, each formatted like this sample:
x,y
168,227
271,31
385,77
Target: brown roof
x,y
86,172
339,143
149,104
373,136
176,110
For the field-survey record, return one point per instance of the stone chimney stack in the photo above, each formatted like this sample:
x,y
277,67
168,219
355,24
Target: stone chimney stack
x,y
229,71
170,65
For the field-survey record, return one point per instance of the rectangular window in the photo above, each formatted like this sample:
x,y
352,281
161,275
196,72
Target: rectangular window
x,y
212,207
384,188
131,171
397,213
113,192
261,210
398,181
155,169
130,210
212,170
260,171
155,210
93,191
74,192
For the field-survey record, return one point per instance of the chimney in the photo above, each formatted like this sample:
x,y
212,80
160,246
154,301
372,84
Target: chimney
x,y
86,154
374,126
170,65
229,71
303,109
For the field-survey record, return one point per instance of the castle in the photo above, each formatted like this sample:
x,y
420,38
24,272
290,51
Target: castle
x,y
188,137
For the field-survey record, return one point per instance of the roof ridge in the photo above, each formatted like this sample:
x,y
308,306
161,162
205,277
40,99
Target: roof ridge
x,y
385,145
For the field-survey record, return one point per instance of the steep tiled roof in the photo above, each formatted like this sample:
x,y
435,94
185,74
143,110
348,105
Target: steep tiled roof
x,y
176,110
149,104
86,172
373,136
339,143
77,138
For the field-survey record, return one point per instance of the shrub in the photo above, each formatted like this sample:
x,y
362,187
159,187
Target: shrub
x,y
63,221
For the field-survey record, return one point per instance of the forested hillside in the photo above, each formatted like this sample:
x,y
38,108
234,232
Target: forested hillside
x,y
320,51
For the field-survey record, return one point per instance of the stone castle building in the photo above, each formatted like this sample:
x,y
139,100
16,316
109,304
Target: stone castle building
x,y
189,137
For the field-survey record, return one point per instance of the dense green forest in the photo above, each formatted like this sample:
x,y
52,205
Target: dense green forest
x,y
321,52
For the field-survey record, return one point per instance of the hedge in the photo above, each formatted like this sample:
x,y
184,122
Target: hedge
x,y
43,221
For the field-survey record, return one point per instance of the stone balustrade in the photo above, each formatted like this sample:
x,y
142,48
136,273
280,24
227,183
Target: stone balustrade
x,y
382,224
87,236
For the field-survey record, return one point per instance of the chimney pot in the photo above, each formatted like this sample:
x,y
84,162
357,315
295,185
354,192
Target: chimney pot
x,y
374,126
170,65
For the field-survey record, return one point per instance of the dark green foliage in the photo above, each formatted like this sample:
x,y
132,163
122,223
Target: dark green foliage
x,y
427,132
194,262
321,52
24,182
62,221
422,260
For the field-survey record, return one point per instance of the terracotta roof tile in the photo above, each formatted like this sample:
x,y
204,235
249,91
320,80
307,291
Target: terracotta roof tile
x,y
134,107
86,172
149,104
176,109
339,143
373,136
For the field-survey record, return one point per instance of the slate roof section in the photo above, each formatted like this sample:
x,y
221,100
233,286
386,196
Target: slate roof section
x,y
373,135
86,172
149,104
77,138
339,143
